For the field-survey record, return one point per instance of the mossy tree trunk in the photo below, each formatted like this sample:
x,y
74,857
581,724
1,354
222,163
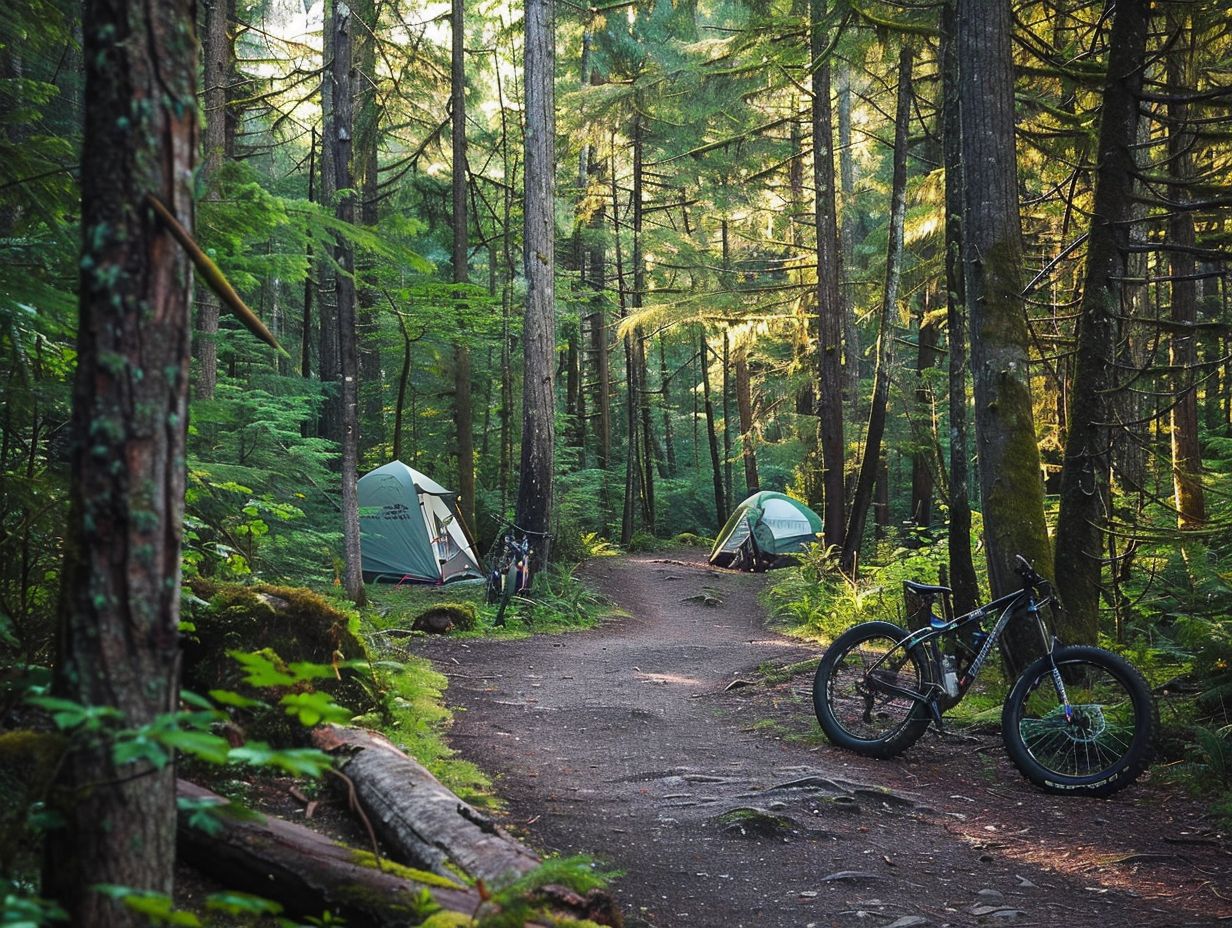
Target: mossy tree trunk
x,y
120,589
1010,485
1085,474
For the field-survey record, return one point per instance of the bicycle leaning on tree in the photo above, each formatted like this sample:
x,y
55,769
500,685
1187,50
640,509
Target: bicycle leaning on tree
x,y
1078,720
512,562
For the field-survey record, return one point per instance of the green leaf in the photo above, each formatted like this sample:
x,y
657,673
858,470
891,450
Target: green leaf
x,y
202,812
305,762
260,670
157,907
314,708
230,698
210,748
237,903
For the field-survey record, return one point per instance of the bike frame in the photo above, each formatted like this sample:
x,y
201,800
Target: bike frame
x,y
1020,602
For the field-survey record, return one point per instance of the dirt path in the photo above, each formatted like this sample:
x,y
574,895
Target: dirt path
x,y
624,743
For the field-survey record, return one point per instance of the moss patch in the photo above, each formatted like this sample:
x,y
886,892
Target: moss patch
x,y
444,618
286,624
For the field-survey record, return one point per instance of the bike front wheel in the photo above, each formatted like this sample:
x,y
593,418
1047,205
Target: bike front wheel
x,y
1096,740
865,708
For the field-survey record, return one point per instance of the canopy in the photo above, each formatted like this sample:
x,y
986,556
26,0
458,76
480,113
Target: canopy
x,y
411,529
763,528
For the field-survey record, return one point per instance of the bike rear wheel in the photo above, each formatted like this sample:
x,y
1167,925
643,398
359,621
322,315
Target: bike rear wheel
x,y
1096,741
853,701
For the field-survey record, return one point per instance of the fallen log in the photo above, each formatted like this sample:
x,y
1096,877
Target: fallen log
x,y
307,872
421,821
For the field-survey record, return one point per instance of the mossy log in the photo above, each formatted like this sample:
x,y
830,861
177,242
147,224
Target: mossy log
x,y
309,873
425,823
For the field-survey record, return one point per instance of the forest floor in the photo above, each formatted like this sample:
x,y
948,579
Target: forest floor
x,y
627,744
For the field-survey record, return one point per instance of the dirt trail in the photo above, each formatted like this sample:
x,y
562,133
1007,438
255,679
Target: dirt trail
x,y
625,743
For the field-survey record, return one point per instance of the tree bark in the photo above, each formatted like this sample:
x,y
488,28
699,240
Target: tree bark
x,y
367,164
744,403
639,340
1086,470
829,300
863,497
847,241
304,870
534,508
342,27
462,412
118,637
712,439
1009,473
958,539
1186,451
925,425
329,362
217,51
427,825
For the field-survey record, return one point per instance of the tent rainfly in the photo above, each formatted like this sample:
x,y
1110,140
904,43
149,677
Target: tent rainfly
x,y
765,527
411,529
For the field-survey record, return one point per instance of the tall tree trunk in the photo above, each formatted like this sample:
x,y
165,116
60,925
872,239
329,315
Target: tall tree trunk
x,y
305,348
602,403
639,339
330,426
744,403
367,131
1009,472
716,468
462,412
342,25
885,330
727,443
403,379
1186,452
925,425
669,437
962,569
829,301
534,509
1085,473
847,240
118,642
216,45
632,455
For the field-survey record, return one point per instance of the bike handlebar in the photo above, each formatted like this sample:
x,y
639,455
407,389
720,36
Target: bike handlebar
x,y
1030,576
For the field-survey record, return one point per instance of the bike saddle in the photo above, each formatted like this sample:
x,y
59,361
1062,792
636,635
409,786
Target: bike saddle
x,y
924,589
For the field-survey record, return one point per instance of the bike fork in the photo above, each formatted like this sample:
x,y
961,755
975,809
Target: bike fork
x,y
1060,687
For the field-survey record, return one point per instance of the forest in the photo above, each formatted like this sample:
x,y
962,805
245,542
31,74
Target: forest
x,y
954,273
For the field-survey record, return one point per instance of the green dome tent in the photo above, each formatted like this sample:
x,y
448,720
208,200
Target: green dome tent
x,y
762,529
411,529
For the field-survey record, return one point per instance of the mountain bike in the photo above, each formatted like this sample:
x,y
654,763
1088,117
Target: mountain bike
x,y
1078,720
511,562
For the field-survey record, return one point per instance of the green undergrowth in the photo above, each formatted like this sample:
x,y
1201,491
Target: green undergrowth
x,y
413,715
559,602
